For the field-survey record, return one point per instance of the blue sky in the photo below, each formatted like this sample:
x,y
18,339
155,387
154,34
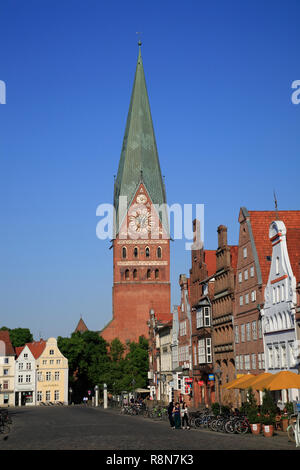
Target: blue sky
x,y
219,78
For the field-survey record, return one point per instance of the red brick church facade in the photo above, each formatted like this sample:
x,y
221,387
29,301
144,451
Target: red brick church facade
x,y
141,250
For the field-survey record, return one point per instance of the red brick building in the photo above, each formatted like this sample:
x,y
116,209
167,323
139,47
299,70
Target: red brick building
x,y
254,260
201,293
222,316
141,253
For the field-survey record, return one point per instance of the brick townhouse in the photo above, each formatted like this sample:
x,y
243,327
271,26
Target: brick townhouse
x,y
253,267
222,316
202,273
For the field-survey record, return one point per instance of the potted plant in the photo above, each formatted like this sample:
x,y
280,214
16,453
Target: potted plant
x,y
216,409
251,409
268,410
284,422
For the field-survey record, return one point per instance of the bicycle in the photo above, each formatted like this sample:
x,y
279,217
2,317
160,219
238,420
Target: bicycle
x,y
4,427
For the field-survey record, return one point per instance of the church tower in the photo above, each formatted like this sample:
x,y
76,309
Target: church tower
x,y
141,244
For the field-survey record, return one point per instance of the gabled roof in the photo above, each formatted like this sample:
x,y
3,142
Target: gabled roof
x,y
260,222
139,157
210,261
234,249
4,336
36,348
293,246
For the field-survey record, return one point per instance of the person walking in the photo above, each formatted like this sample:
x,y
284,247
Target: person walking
x,y
185,416
176,413
170,414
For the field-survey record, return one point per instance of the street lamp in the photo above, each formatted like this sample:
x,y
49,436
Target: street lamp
x,y
70,396
218,373
104,396
96,395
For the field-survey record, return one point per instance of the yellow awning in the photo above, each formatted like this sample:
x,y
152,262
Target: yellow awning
x,y
235,383
281,381
254,381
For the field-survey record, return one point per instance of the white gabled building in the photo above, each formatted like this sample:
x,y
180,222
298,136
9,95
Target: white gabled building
x,y
278,314
26,373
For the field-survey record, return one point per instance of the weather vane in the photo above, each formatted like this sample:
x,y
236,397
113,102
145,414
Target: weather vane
x,y
276,207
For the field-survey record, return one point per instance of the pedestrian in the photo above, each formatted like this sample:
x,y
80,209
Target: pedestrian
x,y
185,416
176,414
170,414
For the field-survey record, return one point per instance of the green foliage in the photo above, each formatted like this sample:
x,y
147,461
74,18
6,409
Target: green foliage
x,y
225,410
92,362
289,407
249,408
19,336
215,407
268,407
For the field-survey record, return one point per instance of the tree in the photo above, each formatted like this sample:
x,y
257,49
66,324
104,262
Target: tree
x,y
19,336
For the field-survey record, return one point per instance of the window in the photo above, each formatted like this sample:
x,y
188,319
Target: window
x,y
147,252
51,352
278,294
48,376
5,385
252,271
127,274
246,298
247,362
201,351
20,379
56,394
259,361
5,371
48,395
241,300
28,366
134,274
242,333
56,375
246,275
270,354
236,334
135,252
39,396
248,330
20,365
40,376
206,316
25,355
241,362
159,253
259,329
283,356
291,354
57,361
208,350
253,296
124,252
253,361
183,328
237,362
245,252
6,360
28,379
44,361
51,361
240,277
199,318
148,273
276,357
254,330
157,274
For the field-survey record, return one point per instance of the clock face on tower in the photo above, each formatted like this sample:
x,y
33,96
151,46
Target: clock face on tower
x,y
140,220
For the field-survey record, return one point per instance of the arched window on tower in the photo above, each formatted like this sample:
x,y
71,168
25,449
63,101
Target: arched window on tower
x,y
127,274
135,252
124,252
149,274
159,252
134,274
147,251
157,274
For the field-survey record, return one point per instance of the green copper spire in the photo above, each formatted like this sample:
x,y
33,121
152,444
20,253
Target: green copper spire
x,y
139,158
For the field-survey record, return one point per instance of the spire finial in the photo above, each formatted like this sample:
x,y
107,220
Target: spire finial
x,y
140,42
276,208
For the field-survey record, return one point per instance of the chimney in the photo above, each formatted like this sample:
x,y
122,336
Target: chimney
x,y
222,236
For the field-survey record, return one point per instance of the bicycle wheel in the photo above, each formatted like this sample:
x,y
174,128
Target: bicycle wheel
x,y
197,422
242,427
291,432
213,425
229,427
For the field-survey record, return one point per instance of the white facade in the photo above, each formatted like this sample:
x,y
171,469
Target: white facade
x,y
25,378
7,377
278,317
